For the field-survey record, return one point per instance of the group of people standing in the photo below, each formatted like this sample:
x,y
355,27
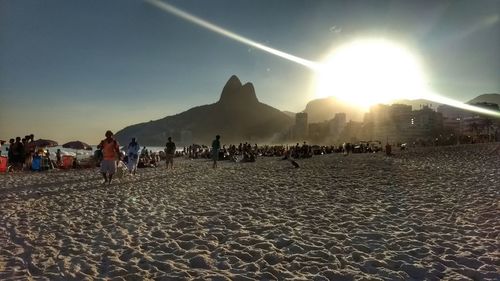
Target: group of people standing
x,y
110,155
21,152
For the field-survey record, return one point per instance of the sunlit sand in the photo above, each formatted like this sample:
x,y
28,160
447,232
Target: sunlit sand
x,y
427,213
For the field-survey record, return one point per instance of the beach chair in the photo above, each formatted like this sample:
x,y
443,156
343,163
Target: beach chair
x,y
3,164
46,164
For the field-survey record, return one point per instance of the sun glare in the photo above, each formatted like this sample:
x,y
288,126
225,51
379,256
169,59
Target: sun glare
x,y
367,72
363,73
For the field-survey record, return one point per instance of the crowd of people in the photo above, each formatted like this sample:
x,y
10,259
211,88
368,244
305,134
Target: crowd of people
x,y
109,156
24,154
246,152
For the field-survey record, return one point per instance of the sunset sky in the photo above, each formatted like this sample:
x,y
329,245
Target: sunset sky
x,y
72,69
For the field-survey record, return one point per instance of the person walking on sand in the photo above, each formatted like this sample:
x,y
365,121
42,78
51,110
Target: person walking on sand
x,y
170,152
133,156
215,150
110,151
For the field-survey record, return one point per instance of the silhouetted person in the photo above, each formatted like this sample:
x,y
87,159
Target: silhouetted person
x,y
58,157
215,150
388,149
170,152
10,152
18,151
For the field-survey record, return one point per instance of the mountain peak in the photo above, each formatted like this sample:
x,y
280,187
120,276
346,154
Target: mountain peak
x,y
237,116
232,85
491,98
247,93
235,93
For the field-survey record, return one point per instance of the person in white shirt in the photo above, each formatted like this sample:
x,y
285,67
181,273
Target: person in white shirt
x,y
133,156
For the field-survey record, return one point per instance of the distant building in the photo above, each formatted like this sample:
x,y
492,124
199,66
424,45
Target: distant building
x,y
453,117
398,111
301,126
329,131
337,124
471,126
424,123
352,132
318,132
398,123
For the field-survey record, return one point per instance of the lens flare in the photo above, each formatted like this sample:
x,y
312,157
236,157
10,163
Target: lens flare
x,y
451,102
315,66
217,29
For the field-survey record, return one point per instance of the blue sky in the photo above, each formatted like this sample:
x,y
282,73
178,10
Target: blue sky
x,y
72,69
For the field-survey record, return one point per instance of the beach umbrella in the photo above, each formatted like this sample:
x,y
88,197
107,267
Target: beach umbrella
x,y
77,145
45,143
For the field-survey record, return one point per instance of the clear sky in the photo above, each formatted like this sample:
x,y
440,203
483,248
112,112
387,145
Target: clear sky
x,y
71,69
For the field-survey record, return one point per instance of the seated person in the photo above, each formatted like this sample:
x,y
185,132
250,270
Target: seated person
x,y
141,163
153,163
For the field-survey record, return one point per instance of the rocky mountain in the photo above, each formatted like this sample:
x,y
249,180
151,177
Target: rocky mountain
x,y
319,110
237,116
491,98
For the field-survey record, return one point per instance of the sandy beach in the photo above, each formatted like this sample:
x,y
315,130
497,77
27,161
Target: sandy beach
x,y
423,214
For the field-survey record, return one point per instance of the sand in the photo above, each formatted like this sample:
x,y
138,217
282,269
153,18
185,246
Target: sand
x,y
425,214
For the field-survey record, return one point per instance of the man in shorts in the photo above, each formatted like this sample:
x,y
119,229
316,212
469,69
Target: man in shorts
x,y
110,151
170,152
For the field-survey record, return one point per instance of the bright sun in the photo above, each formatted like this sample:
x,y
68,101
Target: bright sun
x,y
367,72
